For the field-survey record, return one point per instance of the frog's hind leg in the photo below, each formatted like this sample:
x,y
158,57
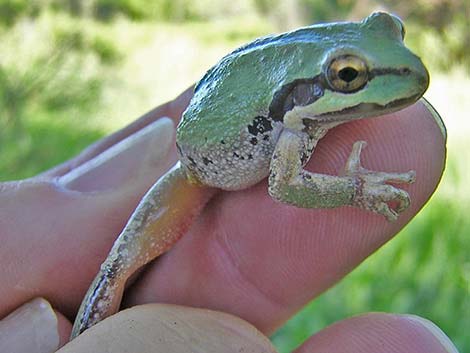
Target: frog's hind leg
x,y
160,219
101,300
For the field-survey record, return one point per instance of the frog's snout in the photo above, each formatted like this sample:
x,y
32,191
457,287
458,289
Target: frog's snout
x,y
425,78
420,74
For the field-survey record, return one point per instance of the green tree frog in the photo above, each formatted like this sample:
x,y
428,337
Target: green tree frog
x,y
259,113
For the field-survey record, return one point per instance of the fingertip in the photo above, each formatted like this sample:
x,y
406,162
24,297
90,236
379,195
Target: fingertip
x,y
376,333
435,331
170,328
33,327
179,104
435,116
409,140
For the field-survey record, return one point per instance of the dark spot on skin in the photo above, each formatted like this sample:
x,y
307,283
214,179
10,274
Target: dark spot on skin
x,y
254,141
193,162
260,125
250,156
121,248
222,142
206,161
307,176
235,154
266,137
274,156
242,158
303,158
113,269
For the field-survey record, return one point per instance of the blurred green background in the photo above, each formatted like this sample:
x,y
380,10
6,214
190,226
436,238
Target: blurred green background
x,y
73,71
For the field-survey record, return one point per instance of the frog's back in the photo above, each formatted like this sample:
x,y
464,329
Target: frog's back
x,y
228,132
242,85
226,137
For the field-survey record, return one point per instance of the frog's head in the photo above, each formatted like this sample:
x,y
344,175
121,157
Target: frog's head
x,y
366,71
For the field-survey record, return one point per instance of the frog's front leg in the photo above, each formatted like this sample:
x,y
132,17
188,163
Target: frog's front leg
x,y
290,183
160,219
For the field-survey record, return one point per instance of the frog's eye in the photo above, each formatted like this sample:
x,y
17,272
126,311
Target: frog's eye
x,y
347,73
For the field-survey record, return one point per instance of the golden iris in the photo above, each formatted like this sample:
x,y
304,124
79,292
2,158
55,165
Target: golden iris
x,y
347,73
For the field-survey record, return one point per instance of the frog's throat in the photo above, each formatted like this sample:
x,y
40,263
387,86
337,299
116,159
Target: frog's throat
x,y
301,118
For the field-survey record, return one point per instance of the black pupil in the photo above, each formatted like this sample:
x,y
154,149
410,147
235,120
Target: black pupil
x,y
348,74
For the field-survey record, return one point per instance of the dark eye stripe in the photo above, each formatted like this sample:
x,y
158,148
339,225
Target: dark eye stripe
x,y
297,93
403,71
306,91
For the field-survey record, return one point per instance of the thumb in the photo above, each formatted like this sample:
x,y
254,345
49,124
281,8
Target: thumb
x,y
55,232
144,154
170,328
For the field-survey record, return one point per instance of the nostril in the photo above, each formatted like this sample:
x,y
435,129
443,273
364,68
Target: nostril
x,y
405,71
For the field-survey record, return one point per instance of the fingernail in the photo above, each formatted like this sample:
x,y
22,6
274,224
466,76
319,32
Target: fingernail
x,y
140,152
31,328
435,331
436,116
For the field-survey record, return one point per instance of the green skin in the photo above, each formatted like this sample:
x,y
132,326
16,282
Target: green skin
x,y
260,113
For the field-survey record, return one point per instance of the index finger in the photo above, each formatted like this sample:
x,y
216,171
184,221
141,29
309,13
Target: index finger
x,y
262,261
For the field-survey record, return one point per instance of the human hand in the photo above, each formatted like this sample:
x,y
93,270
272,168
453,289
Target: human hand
x,y
262,266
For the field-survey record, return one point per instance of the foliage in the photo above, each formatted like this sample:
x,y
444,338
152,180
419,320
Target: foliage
x,y
60,77
12,10
439,27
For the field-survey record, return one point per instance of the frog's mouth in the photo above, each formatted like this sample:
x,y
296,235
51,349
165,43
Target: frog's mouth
x,y
364,110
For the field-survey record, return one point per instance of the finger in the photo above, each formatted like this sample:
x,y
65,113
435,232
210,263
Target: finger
x,y
168,328
56,233
144,153
263,261
380,333
172,109
35,328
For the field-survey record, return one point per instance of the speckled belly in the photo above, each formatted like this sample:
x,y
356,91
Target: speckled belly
x,y
232,164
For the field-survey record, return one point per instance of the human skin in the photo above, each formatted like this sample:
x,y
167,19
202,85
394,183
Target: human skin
x,y
245,255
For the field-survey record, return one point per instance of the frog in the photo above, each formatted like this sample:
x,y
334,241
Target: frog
x,y
259,113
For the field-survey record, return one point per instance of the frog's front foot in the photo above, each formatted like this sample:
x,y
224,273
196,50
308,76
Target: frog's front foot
x,y
373,191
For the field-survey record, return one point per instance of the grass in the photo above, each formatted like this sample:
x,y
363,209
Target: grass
x,y
45,143
424,271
